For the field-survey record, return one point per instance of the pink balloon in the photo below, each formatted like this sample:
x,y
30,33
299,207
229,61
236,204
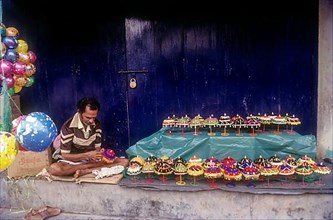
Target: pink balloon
x,y
32,56
56,142
19,68
20,147
15,123
6,67
10,82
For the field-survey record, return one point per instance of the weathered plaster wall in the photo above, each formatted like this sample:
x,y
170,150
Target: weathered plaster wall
x,y
325,80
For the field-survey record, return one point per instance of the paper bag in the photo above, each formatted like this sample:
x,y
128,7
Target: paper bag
x,y
29,163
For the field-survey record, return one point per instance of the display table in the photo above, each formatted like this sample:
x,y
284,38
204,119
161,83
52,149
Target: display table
x,y
177,143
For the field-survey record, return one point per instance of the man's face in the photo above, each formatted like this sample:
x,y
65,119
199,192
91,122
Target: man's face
x,y
88,116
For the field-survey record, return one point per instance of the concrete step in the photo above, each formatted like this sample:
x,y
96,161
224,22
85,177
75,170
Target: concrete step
x,y
8,214
105,201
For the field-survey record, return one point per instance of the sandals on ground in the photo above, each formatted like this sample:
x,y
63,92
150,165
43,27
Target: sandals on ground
x,y
42,213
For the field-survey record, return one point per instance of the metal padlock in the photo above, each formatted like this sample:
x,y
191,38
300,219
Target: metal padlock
x,y
132,83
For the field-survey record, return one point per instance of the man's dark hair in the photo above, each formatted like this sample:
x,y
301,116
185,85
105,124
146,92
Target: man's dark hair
x,y
90,102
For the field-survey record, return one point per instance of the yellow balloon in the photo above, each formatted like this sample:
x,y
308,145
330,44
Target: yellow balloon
x,y
17,88
8,149
22,46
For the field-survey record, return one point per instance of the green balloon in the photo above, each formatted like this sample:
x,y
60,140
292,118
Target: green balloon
x,y
11,91
30,81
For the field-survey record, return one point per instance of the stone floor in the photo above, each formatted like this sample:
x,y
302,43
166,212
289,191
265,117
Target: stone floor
x,y
7,214
137,200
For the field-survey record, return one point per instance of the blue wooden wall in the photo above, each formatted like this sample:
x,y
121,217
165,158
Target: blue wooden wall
x,y
236,60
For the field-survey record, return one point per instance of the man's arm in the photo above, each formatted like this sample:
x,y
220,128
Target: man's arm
x,y
94,155
98,141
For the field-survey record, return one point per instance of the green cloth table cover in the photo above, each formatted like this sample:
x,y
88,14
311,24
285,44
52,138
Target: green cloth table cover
x,y
187,145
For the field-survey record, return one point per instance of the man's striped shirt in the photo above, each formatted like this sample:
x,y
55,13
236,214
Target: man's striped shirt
x,y
77,139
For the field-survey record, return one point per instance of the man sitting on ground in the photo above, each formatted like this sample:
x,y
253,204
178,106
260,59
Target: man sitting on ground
x,y
81,142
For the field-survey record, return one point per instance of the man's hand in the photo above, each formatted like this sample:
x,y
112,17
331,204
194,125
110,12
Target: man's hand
x,y
95,155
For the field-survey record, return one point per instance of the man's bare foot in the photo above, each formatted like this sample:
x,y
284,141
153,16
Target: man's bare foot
x,y
79,173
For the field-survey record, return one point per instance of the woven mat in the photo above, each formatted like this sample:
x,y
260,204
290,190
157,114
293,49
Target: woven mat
x,y
88,178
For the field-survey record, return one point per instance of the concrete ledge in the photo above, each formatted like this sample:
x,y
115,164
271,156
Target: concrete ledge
x,y
114,200
14,215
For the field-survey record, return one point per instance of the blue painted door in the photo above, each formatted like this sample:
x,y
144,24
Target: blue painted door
x,y
224,62
234,66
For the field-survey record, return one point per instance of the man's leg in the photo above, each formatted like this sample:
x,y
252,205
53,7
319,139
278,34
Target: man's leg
x,y
65,169
117,162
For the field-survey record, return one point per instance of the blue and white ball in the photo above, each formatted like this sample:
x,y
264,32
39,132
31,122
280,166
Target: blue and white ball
x,y
36,132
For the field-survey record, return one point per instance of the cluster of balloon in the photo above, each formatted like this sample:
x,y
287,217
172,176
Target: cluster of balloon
x,y
8,149
16,61
36,131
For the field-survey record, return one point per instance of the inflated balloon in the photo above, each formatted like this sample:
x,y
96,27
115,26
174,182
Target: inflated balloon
x,y
10,82
6,67
23,57
11,55
20,80
30,81
17,88
32,56
8,149
10,42
57,141
22,46
16,62
19,68
15,123
30,69
11,91
11,31
36,132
